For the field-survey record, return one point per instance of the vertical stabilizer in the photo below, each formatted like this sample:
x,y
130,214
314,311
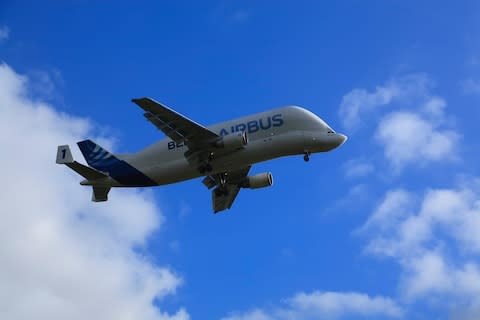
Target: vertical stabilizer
x,y
96,156
119,170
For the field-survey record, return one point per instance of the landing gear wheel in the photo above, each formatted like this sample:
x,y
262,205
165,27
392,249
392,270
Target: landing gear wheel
x,y
201,169
208,167
306,157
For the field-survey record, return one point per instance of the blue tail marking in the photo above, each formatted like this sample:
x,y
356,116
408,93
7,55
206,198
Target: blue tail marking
x,y
121,171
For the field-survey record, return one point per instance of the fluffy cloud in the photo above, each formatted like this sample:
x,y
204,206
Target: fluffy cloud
x,y
255,314
356,105
403,224
409,138
331,305
471,86
413,130
435,240
395,206
434,106
430,274
4,33
63,257
357,168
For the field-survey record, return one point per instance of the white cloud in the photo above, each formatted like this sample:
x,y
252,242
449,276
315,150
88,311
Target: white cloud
x,y
395,206
430,274
471,86
434,106
63,257
44,84
409,138
353,199
4,33
255,314
403,225
435,240
328,305
357,168
338,304
413,130
356,105
358,101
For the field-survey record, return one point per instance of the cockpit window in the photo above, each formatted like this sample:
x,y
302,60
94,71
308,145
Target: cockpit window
x,y
330,131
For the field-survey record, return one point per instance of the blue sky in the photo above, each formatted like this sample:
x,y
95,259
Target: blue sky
x,y
382,227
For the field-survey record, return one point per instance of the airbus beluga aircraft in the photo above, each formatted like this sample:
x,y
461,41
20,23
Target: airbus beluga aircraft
x,y
223,153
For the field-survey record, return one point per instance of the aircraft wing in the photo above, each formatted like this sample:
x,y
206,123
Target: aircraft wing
x,y
224,200
176,126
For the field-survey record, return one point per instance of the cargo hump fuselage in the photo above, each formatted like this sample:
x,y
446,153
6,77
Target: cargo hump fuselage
x,y
279,132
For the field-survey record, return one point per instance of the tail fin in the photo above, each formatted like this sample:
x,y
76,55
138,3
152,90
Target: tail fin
x,y
96,156
118,169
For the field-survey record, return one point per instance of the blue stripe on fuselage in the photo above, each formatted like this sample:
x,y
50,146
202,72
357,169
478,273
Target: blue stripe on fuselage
x,y
120,170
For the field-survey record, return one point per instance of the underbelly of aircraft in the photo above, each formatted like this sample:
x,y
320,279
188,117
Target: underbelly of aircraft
x,y
256,151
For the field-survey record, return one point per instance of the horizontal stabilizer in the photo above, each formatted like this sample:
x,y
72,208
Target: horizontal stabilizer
x,y
100,194
86,172
64,156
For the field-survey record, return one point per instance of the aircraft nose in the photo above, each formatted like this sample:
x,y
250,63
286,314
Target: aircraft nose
x,y
321,141
341,138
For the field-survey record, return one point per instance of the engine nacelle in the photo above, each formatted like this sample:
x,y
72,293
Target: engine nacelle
x,y
261,180
237,140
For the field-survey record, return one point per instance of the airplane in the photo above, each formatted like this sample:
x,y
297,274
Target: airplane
x,y
222,153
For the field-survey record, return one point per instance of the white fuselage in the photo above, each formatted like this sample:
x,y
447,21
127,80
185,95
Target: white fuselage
x,y
276,133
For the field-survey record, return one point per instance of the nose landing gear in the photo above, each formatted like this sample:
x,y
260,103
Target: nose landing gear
x,y
306,157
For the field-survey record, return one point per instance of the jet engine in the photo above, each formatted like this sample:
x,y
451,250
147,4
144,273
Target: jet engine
x,y
261,180
237,140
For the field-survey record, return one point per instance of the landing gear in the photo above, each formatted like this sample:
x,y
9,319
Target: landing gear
x,y
206,167
222,186
306,157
